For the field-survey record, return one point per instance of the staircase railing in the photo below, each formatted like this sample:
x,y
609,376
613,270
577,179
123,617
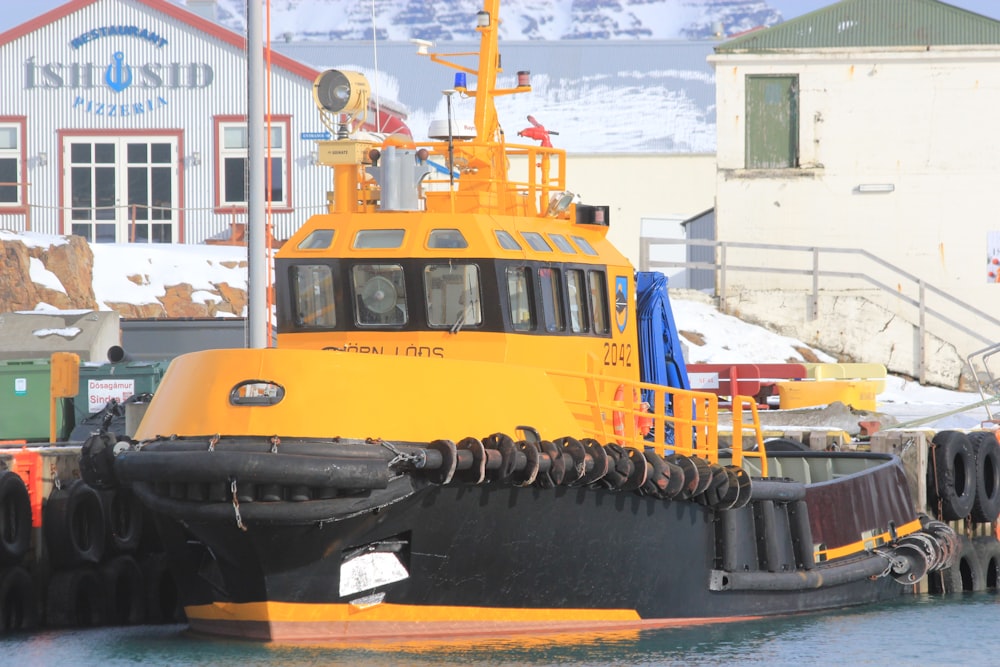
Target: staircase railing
x,y
906,283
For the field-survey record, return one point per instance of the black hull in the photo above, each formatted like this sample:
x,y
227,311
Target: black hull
x,y
579,558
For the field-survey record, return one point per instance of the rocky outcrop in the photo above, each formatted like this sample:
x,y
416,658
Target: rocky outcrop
x,y
61,275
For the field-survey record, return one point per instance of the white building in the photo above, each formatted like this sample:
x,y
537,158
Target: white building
x,y
125,120
868,124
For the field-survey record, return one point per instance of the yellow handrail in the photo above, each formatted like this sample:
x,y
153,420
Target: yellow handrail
x,y
610,409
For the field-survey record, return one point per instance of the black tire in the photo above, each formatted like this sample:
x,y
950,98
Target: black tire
x,y
988,549
15,518
73,522
18,609
75,599
966,575
986,453
124,591
162,598
124,520
951,476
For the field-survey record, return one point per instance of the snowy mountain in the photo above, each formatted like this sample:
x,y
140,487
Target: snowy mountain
x,y
450,20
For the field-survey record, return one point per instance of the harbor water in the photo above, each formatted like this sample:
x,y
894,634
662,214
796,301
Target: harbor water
x,y
922,630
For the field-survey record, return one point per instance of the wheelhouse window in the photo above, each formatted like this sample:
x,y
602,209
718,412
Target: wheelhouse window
x,y
584,246
446,238
599,301
552,303
454,297
772,126
379,294
313,296
233,147
562,244
506,241
519,294
576,297
10,165
318,239
536,241
378,239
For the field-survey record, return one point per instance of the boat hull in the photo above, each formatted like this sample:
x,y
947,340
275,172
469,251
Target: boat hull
x,y
479,560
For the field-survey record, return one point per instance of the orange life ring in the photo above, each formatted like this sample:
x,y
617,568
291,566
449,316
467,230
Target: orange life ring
x,y
643,424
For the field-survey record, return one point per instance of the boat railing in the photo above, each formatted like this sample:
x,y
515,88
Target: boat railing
x,y
530,186
688,426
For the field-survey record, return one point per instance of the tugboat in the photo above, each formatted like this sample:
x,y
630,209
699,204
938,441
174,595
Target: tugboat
x,y
477,421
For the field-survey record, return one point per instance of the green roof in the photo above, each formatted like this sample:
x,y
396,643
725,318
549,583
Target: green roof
x,y
873,23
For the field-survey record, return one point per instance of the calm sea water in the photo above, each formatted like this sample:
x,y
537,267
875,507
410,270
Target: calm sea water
x,y
961,630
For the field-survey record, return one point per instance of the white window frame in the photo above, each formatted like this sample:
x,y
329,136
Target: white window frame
x,y
280,140
17,155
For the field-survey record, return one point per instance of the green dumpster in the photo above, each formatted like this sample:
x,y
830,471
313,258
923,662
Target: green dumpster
x,y
24,401
101,383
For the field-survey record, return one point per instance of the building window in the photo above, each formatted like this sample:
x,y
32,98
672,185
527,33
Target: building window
x,y
11,183
232,142
772,122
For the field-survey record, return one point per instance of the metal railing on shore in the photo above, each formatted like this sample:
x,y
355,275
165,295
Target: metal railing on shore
x,y
926,300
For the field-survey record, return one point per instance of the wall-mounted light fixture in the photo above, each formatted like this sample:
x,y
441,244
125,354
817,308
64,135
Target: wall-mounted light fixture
x,y
876,187
314,158
196,158
482,19
43,159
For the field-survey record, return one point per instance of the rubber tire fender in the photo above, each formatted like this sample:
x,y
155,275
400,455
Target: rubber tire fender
x,y
18,609
15,518
951,478
964,576
124,591
988,549
75,599
986,452
124,520
74,525
162,596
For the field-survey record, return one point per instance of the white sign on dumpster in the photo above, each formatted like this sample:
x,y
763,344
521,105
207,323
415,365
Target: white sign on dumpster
x,y
100,392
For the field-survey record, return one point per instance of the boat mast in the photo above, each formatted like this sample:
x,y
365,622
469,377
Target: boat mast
x,y
257,315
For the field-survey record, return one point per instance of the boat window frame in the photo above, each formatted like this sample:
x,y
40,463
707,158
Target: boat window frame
x,y
584,245
562,243
506,240
315,240
599,302
397,315
551,291
525,294
328,295
471,311
536,241
581,324
393,238
447,235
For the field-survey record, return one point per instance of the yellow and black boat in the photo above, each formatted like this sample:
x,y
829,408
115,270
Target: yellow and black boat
x,y
476,420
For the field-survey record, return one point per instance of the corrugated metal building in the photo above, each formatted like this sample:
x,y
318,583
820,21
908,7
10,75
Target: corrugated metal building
x,y
124,120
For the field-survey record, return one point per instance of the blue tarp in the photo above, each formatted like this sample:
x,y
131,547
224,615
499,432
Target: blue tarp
x,y
661,360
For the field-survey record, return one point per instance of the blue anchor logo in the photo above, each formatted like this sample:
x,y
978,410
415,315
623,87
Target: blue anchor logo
x,y
117,75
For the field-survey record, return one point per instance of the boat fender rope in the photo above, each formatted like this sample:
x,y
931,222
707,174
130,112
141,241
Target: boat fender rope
x,y
236,505
275,441
213,441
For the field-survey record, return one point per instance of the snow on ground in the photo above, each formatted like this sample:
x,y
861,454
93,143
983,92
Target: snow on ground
x,y
726,339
